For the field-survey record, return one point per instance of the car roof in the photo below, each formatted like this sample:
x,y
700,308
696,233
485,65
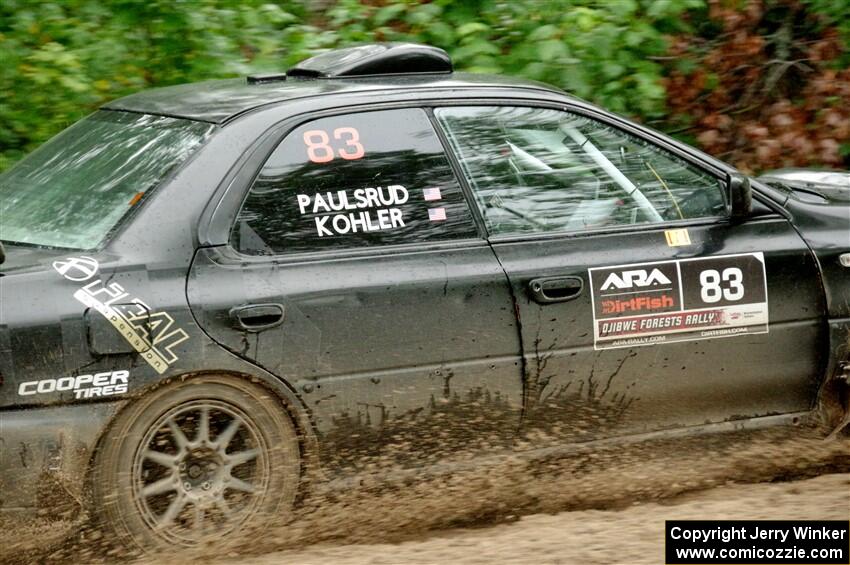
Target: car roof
x,y
219,101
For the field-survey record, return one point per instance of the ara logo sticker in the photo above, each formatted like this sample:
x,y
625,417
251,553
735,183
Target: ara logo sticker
x,y
77,269
153,334
640,278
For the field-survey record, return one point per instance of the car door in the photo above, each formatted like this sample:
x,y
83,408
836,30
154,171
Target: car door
x,y
643,306
356,273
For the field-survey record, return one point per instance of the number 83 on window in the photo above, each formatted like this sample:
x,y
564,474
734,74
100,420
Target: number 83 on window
x,y
346,145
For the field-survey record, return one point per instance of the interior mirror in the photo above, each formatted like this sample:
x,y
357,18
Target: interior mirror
x,y
740,195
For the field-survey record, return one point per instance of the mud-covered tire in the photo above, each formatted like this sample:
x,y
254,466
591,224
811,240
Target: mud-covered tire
x,y
195,461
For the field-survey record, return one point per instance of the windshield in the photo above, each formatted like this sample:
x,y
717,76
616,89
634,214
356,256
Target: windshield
x,y
73,191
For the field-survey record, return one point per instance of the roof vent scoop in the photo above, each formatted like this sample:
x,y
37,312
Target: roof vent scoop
x,y
375,59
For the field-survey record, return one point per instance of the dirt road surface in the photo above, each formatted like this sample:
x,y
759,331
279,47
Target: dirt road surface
x,y
631,535
590,506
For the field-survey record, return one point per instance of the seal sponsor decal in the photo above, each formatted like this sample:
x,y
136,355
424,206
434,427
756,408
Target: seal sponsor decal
x,y
77,269
153,334
680,300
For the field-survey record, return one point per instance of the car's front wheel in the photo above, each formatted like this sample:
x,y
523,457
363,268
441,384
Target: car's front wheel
x,y
194,461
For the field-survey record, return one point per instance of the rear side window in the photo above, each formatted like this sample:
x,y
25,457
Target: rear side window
x,y
357,180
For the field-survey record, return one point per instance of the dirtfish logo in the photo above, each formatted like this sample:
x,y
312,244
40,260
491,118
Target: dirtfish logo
x,y
638,277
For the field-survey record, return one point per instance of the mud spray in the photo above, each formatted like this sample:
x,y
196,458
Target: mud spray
x,y
388,499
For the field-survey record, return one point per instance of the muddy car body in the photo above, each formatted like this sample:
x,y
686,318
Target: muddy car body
x,y
370,244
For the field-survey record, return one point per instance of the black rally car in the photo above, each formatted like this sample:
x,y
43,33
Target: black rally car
x,y
209,287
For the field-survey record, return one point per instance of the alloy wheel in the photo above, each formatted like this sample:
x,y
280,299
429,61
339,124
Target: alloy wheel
x,y
201,469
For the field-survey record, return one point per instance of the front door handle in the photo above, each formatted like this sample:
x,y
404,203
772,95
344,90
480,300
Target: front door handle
x,y
257,317
555,289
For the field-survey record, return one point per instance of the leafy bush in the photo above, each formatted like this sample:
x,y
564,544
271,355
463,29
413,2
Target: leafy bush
x,y
766,86
642,58
63,59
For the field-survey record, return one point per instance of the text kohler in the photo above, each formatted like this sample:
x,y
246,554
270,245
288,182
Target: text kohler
x,y
378,205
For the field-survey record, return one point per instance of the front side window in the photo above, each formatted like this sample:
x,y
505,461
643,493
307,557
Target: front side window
x,y
72,191
350,181
540,170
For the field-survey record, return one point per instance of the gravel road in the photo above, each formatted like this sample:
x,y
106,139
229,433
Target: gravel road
x,y
591,506
631,535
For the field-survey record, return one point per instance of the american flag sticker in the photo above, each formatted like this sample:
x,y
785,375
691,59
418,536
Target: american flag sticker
x,y
432,194
436,214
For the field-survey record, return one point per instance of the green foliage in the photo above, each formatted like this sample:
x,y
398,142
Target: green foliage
x,y
63,58
834,13
599,51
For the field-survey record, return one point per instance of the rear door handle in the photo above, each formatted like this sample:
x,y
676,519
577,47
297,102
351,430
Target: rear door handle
x,y
555,289
257,317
